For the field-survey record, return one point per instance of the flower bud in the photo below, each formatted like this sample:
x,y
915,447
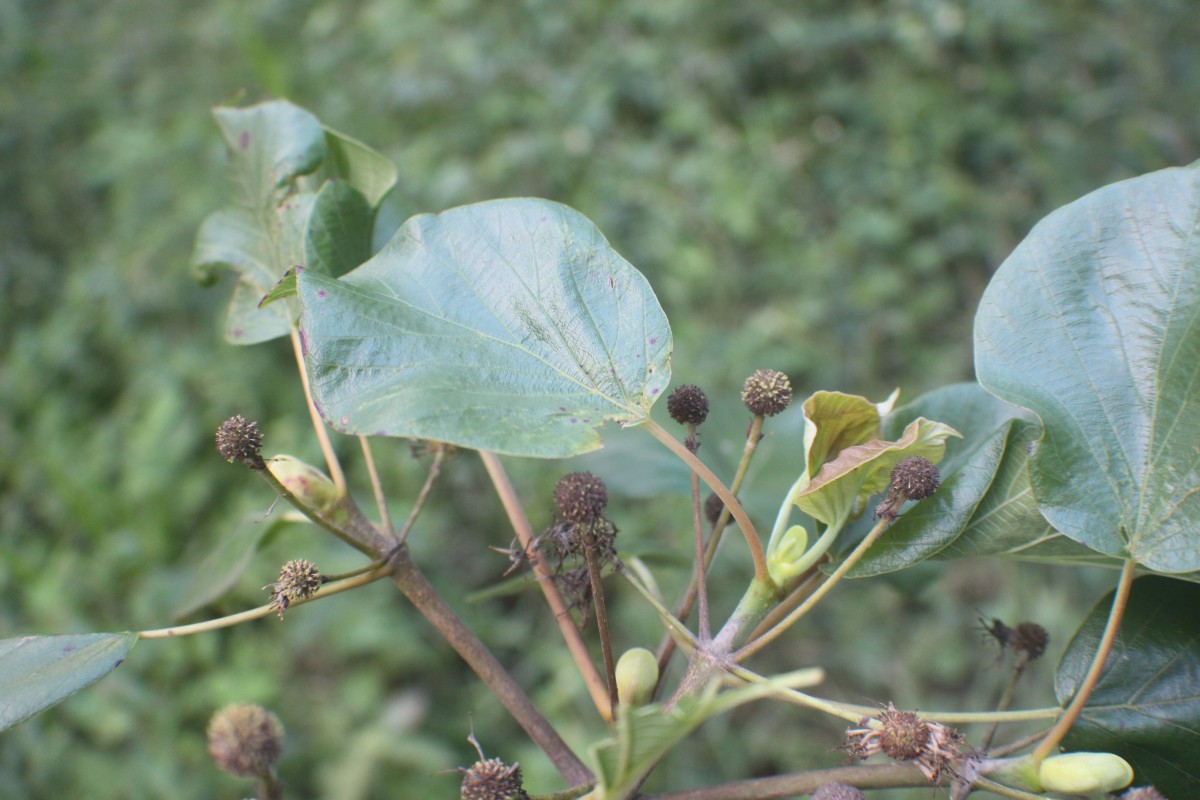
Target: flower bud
x,y
783,558
1085,773
637,675
305,482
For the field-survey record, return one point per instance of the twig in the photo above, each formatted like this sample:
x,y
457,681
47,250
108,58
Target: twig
x,y
331,460
435,469
562,615
593,565
385,518
1120,601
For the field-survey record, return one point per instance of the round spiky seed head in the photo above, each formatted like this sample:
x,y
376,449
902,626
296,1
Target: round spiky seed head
x,y
688,405
1143,793
837,791
767,392
580,497
240,440
245,739
1029,638
492,779
915,478
713,506
299,579
904,735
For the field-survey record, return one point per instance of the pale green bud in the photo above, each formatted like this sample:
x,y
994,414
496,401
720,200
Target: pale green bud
x,y
637,675
1085,773
307,484
781,565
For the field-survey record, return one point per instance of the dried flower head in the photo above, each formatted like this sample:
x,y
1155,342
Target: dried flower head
x,y
298,580
767,392
245,739
240,440
904,736
580,497
688,405
1143,793
914,478
713,506
491,779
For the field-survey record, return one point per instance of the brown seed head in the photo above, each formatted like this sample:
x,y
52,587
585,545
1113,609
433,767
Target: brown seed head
x,y
492,779
580,497
1029,638
239,440
767,392
904,735
713,506
245,739
298,580
688,405
915,478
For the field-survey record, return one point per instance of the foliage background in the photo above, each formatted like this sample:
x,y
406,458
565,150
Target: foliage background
x,y
823,188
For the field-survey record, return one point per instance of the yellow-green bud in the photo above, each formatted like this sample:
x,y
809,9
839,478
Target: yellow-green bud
x,y
306,483
781,564
1085,773
637,675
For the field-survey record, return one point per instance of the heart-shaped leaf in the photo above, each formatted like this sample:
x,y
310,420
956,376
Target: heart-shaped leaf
x,y
509,325
1146,706
1093,323
37,672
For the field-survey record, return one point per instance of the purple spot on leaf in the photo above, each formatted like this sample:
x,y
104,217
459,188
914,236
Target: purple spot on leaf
x,y
381,433
654,391
244,140
321,293
562,409
68,649
653,340
303,342
238,333
345,421
120,661
574,420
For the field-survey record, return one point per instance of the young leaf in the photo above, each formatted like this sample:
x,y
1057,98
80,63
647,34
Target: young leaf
x,y
360,166
834,421
509,325
1093,323
862,470
38,671
1146,706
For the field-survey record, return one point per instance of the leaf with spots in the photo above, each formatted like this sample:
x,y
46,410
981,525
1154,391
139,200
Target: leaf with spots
x,y
510,325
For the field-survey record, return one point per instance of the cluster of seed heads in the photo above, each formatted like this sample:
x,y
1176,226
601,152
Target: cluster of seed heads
x,y
240,440
904,736
245,740
767,392
298,580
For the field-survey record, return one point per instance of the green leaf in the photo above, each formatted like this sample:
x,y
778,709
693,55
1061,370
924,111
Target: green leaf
x,y
262,233
862,470
37,672
1093,323
509,325
1146,706
338,232
834,421
363,168
218,571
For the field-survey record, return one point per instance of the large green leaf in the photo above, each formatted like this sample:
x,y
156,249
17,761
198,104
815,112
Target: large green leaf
x,y
1093,323
509,325
1146,706
38,671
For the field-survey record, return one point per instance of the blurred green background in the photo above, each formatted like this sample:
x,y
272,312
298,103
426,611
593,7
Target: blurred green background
x,y
822,188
